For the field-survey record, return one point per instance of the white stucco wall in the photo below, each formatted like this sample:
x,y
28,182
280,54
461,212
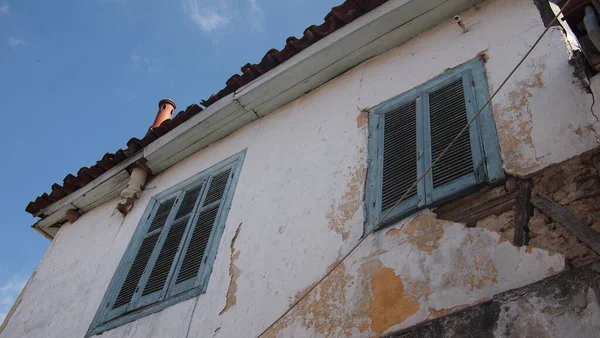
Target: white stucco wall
x,y
298,204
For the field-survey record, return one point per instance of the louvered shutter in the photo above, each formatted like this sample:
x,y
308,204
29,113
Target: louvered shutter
x,y
409,131
198,246
449,109
170,256
142,257
154,286
400,157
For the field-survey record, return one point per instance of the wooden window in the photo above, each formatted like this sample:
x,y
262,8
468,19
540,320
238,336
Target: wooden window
x,y
408,132
170,256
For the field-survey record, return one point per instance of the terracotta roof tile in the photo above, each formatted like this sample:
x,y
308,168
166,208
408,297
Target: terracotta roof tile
x,y
338,17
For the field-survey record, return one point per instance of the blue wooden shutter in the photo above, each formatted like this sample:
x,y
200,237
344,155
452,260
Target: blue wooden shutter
x,y
203,230
400,157
154,286
142,257
450,106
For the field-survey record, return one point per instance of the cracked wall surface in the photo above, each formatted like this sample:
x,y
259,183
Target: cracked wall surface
x,y
563,306
430,267
536,126
300,200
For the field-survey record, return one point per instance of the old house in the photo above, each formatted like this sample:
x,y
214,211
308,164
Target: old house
x,y
280,207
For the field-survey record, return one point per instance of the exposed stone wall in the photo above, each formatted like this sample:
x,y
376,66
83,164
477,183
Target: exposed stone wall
x,y
575,184
564,305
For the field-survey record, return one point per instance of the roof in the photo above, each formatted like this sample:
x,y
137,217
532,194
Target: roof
x,y
338,17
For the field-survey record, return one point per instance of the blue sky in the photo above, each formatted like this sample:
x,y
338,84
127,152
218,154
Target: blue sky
x,y
79,78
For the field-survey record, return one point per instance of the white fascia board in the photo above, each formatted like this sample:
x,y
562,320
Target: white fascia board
x,y
213,123
101,189
372,39
382,29
379,30
88,194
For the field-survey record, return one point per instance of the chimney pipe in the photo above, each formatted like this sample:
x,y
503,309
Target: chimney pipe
x,y
165,111
132,192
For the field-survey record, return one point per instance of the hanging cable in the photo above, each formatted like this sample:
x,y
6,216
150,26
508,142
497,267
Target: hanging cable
x,y
410,189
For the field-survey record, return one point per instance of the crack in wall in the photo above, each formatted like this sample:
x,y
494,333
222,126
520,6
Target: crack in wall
x,y
594,115
362,75
234,273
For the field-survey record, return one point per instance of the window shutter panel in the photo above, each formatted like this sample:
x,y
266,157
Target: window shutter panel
x,y
203,228
447,116
170,247
159,219
399,153
143,254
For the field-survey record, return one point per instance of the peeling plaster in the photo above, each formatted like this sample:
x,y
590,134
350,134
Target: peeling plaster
x,y
362,120
389,306
515,132
342,211
452,266
284,197
424,231
234,273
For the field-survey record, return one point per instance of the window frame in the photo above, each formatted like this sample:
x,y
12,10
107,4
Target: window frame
x,y
482,130
106,318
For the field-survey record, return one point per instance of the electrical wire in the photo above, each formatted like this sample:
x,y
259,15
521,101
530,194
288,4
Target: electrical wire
x,y
409,190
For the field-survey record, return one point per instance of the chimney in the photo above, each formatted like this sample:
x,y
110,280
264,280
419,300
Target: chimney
x,y
165,111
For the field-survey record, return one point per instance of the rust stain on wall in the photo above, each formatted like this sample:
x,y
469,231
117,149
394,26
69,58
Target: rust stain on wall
x,y
393,232
321,309
389,306
342,212
363,327
442,312
307,289
424,231
324,309
234,274
484,54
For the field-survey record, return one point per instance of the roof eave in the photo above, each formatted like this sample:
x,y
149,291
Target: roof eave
x,y
379,30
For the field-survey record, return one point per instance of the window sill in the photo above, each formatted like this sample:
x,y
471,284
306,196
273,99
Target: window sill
x,y
145,311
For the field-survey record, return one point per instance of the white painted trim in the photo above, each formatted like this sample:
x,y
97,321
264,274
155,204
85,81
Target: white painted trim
x,y
384,28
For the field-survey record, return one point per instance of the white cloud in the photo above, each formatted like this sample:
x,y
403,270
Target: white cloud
x,y
257,15
9,292
151,65
4,8
209,15
135,58
14,42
